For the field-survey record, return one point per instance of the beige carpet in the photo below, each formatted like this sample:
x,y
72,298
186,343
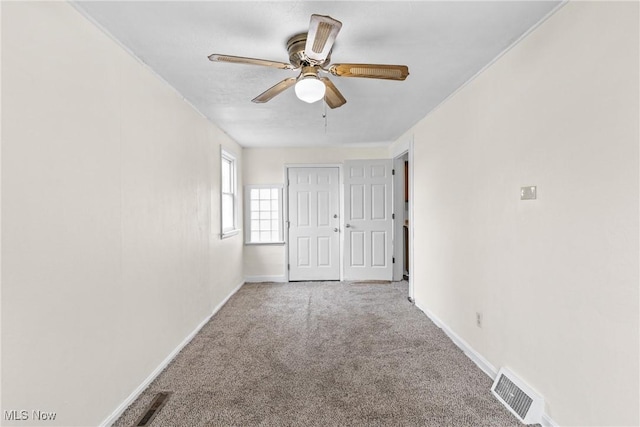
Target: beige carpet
x,y
322,354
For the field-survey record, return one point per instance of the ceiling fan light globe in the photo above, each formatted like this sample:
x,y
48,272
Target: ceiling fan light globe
x,y
310,89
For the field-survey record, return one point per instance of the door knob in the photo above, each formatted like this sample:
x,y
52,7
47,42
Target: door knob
x,y
348,225
335,229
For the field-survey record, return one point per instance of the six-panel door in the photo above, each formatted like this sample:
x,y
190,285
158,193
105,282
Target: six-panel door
x,y
368,222
313,208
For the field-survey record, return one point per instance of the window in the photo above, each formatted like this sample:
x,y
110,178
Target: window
x,y
263,217
228,195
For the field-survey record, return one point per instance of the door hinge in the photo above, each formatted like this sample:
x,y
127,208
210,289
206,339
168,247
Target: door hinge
x,y
288,266
393,216
393,260
393,171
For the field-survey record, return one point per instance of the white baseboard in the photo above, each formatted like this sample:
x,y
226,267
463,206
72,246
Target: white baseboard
x,y
258,279
547,421
482,363
138,391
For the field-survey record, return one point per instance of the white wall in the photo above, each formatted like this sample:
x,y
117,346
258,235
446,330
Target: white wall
x,y
110,247
556,278
266,166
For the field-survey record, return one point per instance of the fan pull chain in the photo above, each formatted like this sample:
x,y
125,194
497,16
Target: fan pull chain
x,y
324,116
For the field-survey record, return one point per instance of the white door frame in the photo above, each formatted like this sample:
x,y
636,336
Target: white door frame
x,y
286,209
398,215
406,147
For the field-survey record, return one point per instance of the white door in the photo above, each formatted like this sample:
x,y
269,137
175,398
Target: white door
x,y
368,224
314,238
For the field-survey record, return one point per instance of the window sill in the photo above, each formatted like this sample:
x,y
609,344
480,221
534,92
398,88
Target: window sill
x,y
264,243
229,233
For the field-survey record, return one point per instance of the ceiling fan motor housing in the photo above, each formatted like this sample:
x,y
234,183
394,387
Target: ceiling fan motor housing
x,y
297,57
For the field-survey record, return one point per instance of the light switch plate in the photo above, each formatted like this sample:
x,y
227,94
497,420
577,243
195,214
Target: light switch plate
x,y
528,193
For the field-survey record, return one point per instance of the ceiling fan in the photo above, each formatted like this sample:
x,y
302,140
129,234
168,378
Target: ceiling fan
x,y
310,52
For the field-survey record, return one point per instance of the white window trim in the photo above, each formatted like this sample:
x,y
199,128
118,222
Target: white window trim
x,y
247,213
226,155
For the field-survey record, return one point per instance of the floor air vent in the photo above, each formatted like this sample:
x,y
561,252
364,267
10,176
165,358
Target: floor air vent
x,y
518,397
156,404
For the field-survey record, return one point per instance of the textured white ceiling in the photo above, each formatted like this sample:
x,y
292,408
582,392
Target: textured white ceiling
x,y
443,43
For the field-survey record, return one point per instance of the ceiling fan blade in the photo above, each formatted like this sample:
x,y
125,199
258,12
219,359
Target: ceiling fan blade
x,y
370,71
321,36
332,96
274,90
215,57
